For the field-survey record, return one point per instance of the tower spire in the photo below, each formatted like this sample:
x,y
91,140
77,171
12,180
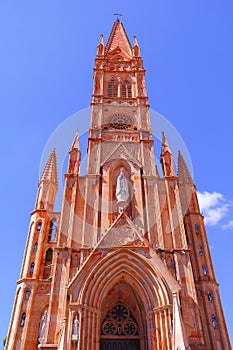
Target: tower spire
x,y
118,38
50,169
183,171
48,184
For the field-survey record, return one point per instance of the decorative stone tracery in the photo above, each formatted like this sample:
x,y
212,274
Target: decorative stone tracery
x,y
121,121
119,321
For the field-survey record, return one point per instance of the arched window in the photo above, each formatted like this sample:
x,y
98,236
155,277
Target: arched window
x,y
200,251
48,263
27,294
39,225
126,89
23,317
32,268
112,88
52,230
214,321
35,247
204,270
196,229
210,299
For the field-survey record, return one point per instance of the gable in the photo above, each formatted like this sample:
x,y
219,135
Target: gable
x,y
122,232
121,152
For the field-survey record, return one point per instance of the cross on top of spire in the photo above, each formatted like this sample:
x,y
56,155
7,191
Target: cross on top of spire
x,y
117,14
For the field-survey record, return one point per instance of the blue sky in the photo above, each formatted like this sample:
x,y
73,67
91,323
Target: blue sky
x,y
47,55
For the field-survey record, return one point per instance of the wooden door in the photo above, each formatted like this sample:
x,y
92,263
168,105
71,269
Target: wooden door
x,y
120,344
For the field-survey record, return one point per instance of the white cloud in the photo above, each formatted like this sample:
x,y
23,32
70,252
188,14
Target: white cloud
x,y
229,225
208,200
214,215
214,207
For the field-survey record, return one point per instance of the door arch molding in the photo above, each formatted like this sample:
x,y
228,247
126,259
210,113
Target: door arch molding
x,y
123,264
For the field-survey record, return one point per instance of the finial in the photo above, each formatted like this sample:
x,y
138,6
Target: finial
x,y
136,48
75,144
164,140
102,39
117,14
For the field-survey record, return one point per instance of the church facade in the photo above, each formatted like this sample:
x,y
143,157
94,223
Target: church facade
x,y
125,264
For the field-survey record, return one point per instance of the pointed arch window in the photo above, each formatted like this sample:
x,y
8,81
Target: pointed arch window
x,y
126,89
35,247
32,268
214,321
39,226
48,263
52,230
210,298
23,318
27,294
112,88
200,250
196,226
204,270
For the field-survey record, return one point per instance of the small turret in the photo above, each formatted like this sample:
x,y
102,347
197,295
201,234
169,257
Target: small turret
x,y
166,158
75,156
136,48
48,185
100,47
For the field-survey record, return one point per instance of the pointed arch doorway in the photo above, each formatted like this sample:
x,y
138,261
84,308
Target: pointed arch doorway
x,y
122,324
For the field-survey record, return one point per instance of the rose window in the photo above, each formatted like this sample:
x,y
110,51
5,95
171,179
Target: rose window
x,y
119,321
121,122
130,328
109,328
119,313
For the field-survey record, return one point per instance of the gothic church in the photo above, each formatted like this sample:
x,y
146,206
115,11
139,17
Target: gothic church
x,y
125,264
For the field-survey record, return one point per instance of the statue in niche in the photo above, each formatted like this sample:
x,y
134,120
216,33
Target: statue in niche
x,y
43,322
75,327
122,191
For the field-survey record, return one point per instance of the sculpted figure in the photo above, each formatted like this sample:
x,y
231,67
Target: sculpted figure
x,y
75,328
43,321
122,191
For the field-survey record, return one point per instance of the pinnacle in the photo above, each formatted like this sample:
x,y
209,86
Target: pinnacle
x,y
165,145
75,144
101,40
118,38
135,41
50,169
183,171
136,48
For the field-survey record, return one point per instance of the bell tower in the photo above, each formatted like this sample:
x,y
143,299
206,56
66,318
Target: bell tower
x,y
126,263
